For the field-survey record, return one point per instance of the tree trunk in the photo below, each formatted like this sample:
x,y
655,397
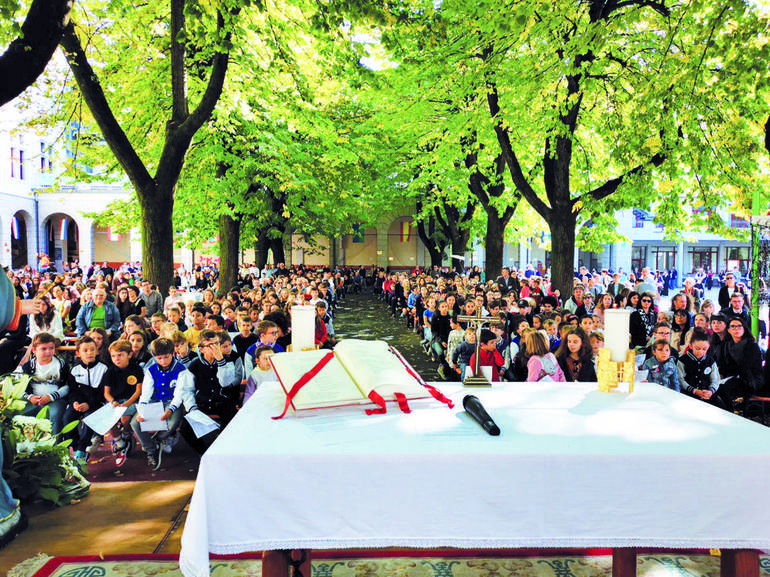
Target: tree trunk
x,y
562,226
261,250
459,248
156,208
493,244
276,246
229,247
429,241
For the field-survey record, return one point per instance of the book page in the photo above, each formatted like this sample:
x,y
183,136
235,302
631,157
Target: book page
x,y
332,386
374,365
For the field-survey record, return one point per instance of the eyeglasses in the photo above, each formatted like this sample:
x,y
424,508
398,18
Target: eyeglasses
x,y
731,327
646,300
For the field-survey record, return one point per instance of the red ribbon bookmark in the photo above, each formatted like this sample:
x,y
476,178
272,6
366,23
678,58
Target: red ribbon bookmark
x,y
402,404
303,381
377,399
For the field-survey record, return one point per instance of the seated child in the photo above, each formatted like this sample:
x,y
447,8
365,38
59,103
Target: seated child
x,y
51,383
267,334
456,337
262,373
587,323
243,340
461,357
233,387
661,367
182,349
175,316
489,356
122,384
163,380
207,375
551,329
157,321
597,342
139,351
698,371
85,395
541,363
326,318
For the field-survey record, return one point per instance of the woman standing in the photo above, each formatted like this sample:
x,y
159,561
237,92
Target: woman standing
x,y
603,302
642,321
123,303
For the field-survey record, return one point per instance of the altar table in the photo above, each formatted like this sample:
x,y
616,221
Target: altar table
x,y
573,467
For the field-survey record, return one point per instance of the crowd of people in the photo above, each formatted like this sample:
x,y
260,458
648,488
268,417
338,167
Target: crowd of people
x,y
192,350
698,347
94,341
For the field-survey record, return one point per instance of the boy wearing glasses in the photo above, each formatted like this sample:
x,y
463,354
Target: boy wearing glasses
x,y
267,334
207,377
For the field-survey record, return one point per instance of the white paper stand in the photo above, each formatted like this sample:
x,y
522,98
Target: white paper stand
x,y
617,323
302,327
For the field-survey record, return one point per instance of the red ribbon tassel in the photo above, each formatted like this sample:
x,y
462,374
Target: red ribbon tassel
x,y
402,404
377,399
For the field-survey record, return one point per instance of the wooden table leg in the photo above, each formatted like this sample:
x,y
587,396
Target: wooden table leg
x,y
276,564
624,562
739,563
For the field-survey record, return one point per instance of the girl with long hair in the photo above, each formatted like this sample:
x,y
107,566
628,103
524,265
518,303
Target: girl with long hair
x,y
576,357
541,363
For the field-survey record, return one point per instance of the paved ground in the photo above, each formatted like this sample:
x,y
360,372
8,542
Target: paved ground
x,y
364,316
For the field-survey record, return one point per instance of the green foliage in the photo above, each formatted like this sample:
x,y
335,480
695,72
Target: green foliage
x,y
35,464
12,14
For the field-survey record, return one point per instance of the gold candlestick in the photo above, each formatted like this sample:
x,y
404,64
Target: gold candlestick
x,y
610,374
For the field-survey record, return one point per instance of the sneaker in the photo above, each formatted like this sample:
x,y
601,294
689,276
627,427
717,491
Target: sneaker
x,y
153,459
442,372
168,444
121,456
96,440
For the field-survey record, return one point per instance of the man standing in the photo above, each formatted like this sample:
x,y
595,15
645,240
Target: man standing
x,y
507,282
736,309
153,300
615,287
648,284
576,299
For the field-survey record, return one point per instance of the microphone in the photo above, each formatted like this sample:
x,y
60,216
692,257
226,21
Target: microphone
x,y
475,409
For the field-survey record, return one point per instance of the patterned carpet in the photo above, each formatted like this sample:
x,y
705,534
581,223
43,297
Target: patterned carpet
x,y
665,564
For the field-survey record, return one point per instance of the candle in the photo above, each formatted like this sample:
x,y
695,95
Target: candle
x,y
616,333
302,327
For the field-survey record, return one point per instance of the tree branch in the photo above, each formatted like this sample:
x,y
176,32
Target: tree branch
x,y
612,185
179,108
94,96
27,56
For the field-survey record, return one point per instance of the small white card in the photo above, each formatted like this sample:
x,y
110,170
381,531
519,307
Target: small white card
x,y
102,420
152,413
201,423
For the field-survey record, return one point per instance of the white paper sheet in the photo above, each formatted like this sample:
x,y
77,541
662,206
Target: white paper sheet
x,y
201,423
152,413
102,420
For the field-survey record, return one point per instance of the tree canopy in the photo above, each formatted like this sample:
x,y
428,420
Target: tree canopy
x,y
263,114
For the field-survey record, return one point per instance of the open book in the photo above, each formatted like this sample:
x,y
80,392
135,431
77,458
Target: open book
x,y
356,372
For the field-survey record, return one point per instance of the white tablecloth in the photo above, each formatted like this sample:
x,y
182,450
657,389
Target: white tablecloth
x,y
573,467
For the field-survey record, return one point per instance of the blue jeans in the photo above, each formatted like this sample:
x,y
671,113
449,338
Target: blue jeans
x,y
55,413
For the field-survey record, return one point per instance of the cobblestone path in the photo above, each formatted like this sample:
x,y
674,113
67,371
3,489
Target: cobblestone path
x,y
364,316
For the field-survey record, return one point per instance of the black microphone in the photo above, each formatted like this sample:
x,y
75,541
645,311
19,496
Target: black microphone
x,y
475,409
